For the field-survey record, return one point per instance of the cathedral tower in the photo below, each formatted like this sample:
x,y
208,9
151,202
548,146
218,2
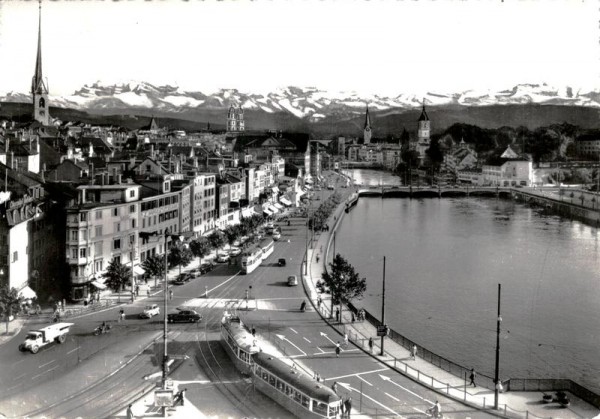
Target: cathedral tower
x,y
39,90
235,119
367,129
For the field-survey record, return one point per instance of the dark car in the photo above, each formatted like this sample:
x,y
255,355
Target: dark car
x,y
182,279
187,316
206,267
281,262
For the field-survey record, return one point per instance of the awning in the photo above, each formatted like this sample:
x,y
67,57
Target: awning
x,y
275,189
138,270
278,206
273,209
267,212
285,201
27,293
99,285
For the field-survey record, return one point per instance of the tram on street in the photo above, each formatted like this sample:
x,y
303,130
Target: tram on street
x,y
251,259
294,390
267,245
238,342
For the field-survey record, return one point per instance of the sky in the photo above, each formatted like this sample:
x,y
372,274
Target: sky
x,y
385,47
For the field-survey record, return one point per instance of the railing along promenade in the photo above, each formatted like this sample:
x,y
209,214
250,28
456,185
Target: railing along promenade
x,y
454,384
433,191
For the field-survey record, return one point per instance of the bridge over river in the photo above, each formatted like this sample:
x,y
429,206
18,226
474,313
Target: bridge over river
x,y
434,191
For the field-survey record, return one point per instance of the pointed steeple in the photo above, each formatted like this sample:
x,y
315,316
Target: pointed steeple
x,y
367,118
424,116
37,84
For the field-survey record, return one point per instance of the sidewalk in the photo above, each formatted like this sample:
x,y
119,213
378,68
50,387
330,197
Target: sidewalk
x,y
397,357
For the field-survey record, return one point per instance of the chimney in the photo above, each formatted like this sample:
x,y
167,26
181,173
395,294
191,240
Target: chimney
x,y
196,162
152,150
119,179
82,196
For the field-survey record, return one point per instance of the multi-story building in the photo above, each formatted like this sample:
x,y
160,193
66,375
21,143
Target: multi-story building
x,y
203,203
588,146
102,225
509,170
391,156
39,90
423,135
235,119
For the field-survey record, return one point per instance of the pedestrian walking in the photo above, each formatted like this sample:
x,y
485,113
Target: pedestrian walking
x,y
413,352
337,350
121,315
170,294
352,317
148,292
253,331
137,290
371,345
337,315
348,405
317,258
345,338
129,412
472,377
343,408
319,301
334,387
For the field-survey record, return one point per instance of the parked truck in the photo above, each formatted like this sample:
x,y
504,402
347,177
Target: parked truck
x,y
35,339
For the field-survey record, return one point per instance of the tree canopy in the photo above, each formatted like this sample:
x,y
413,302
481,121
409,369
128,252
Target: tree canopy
x,y
10,303
117,275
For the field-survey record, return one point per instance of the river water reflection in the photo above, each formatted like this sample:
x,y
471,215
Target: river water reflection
x,y
445,258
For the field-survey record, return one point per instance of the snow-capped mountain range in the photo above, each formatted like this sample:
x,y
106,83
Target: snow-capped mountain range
x,y
306,103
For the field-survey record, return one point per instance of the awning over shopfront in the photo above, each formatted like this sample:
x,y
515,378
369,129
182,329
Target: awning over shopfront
x,y
267,212
278,206
99,285
138,270
273,209
285,202
27,293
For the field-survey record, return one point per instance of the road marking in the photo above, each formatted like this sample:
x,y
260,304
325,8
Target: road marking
x,y
356,374
306,339
47,363
346,385
383,377
293,330
391,397
39,375
360,378
327,337
73,350
282,337
20,376
322,351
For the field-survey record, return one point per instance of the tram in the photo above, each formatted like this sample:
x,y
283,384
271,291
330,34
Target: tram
x,y
251,259
238,342
295,391
267,245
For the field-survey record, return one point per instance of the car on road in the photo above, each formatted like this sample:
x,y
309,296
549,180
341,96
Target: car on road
x,y
182,278
206,267
222,257
292,280
195,273
187,316
281,262
235,251
150,311
276,235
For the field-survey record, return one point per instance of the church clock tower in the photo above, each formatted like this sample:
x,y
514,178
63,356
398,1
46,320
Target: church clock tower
x,y
39,90
367,129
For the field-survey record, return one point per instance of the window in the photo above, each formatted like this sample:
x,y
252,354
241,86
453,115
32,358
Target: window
x,y
132,193
116,244
98,265
132,239
98,214
115,212
132,223
74,235
131,208
83,234
117,259
98,249
82,252
83,216
98,231
74,253
117,227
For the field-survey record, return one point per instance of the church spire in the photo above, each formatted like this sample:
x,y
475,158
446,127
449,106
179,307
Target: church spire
x,y
424,116
37,84
367,129
367,118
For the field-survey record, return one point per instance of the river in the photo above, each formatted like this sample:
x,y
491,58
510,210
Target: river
x,y
444,261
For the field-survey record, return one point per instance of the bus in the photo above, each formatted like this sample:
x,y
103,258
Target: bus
x,y
267,245
251,259
294,390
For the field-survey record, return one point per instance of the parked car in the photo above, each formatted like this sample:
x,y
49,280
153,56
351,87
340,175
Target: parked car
x,y
276,235
206,267
182,278
222,257
292,280
234,251
195,273
281,262
188,316
150,311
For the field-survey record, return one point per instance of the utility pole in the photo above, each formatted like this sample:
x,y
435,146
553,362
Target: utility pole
x,y
497,373
165,364
383,307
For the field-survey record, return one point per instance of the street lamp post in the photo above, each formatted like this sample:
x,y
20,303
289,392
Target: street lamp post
x,y
497,369
383,307
166,285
